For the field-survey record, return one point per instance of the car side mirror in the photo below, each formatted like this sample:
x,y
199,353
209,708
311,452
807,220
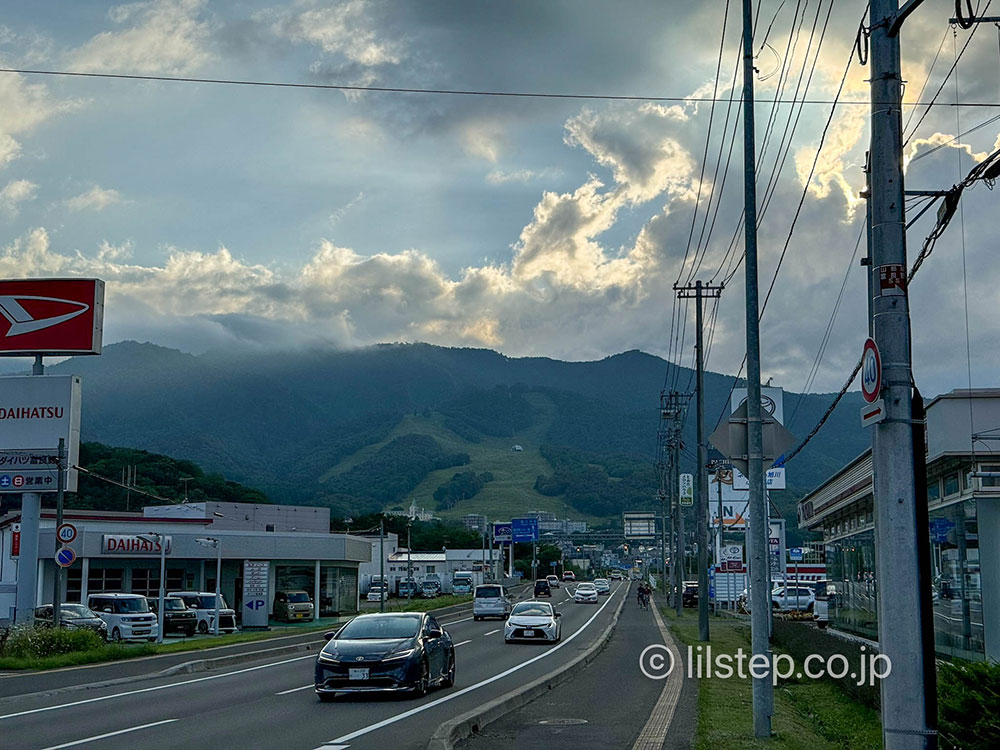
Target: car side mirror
x,y
434,633
558,614
329,636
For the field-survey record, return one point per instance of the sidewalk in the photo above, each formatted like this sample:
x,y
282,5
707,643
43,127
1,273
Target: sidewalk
x,y
605,705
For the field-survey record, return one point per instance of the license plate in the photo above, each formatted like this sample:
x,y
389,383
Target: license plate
x,y
300,615
141,632
360,673
528,633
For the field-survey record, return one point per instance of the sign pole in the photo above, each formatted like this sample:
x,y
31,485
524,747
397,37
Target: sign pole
x,y
60,492
27,563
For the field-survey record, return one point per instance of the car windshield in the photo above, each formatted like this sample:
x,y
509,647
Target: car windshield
x,y
488,592
379,626
298,597
73,611
207,601
583,586
174,604
600,581
532,609
138,604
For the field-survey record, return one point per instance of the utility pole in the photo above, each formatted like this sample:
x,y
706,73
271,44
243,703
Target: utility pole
x,y
908,722
760,605
675,478
381,564
699,292
57,586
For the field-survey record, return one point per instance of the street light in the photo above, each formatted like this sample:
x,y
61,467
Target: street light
x,y
158,538
210,541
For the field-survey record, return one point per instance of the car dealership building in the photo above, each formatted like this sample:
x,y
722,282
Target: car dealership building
x,y
119,552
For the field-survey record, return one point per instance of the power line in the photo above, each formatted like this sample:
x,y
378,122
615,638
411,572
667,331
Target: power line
x,y
447,92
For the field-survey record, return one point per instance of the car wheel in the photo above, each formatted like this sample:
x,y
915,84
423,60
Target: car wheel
x,y
449,677
421,688
477,618
203,627
189,632
116,636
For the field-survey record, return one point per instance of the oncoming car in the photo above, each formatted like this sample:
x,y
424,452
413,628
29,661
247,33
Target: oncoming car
x,y
533,621
391,652
585,593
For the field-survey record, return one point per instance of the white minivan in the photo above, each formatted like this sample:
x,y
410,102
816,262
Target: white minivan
x,y
490,600
127,616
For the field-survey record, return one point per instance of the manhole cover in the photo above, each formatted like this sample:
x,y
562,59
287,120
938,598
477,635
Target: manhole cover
x,y
562,722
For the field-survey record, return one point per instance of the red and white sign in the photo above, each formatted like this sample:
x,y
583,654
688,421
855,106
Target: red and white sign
x,y
15,541
871,371
51,316
66,533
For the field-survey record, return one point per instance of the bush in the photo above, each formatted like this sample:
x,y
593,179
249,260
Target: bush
x,y
969,704
31,642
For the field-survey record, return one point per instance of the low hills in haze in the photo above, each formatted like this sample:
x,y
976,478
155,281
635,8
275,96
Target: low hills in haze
x,y
373,428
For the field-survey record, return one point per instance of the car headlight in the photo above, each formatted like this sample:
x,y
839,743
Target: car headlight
x,y
328,658
400,655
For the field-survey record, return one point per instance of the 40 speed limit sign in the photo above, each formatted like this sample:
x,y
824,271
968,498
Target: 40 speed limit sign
x,y
871,371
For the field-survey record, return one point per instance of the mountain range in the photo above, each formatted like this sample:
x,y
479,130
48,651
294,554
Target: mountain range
x,y
377,427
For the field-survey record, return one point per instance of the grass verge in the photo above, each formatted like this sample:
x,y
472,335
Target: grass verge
x,y
813,714
420,605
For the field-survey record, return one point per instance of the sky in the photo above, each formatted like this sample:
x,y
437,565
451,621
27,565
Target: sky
x,y
259,217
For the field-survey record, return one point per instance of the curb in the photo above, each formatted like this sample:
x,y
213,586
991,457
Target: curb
x,y
471,722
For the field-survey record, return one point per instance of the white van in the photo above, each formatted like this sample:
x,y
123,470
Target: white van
x,y
490,600
127,616
203,603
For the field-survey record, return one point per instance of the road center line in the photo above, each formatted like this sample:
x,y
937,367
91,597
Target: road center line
x,y
491,632
462,643
463,691
153,689
110,734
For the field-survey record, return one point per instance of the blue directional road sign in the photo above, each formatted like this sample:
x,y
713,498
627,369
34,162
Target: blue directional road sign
x,y
940,527
525,529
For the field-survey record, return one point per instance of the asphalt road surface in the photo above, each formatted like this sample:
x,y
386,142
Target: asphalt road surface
x,y
271,704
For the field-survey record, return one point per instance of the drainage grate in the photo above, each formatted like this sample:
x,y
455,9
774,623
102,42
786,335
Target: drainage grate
x,y
562,722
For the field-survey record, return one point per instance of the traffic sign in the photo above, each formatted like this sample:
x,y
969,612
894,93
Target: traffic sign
x,y
66,533
871,371
873,412
65,557
730,438
524,529
795,554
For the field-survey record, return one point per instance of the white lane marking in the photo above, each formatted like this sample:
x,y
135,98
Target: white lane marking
x,y
295,690
333,747
491,632
110,734
463,691
455,622
153,689
462,643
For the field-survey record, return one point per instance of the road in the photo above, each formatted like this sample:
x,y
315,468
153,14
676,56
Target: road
x,y
272,704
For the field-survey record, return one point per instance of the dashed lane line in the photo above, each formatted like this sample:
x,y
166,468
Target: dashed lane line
x,y
110,734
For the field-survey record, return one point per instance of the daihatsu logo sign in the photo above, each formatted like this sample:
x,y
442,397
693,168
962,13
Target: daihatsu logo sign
x,y
51,316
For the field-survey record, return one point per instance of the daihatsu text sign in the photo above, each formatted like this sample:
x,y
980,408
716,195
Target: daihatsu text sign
x,y
34,413
51,316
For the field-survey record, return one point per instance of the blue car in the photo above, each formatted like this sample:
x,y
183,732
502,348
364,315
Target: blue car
x,y
396,652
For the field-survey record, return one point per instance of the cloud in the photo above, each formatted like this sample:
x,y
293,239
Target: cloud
x,y
338,214
524,175
345,30
159,37
95,199
15,193
23,108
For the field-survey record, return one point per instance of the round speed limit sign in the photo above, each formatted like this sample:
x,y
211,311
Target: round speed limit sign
x,y
66,533
871,371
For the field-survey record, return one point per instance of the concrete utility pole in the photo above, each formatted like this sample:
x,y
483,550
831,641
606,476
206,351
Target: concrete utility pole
x,y
381,564
760,605
907,723
700,291
27,562
675,479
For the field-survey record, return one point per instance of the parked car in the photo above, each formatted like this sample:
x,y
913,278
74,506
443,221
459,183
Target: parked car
x,y
790,598
533,621
430,589
542,588
603,586
462,582
407,588
203,604
392,652
376,593
569,576
689,596
127,616
490,600
824,592
177,616
71,617
585,593
292,605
